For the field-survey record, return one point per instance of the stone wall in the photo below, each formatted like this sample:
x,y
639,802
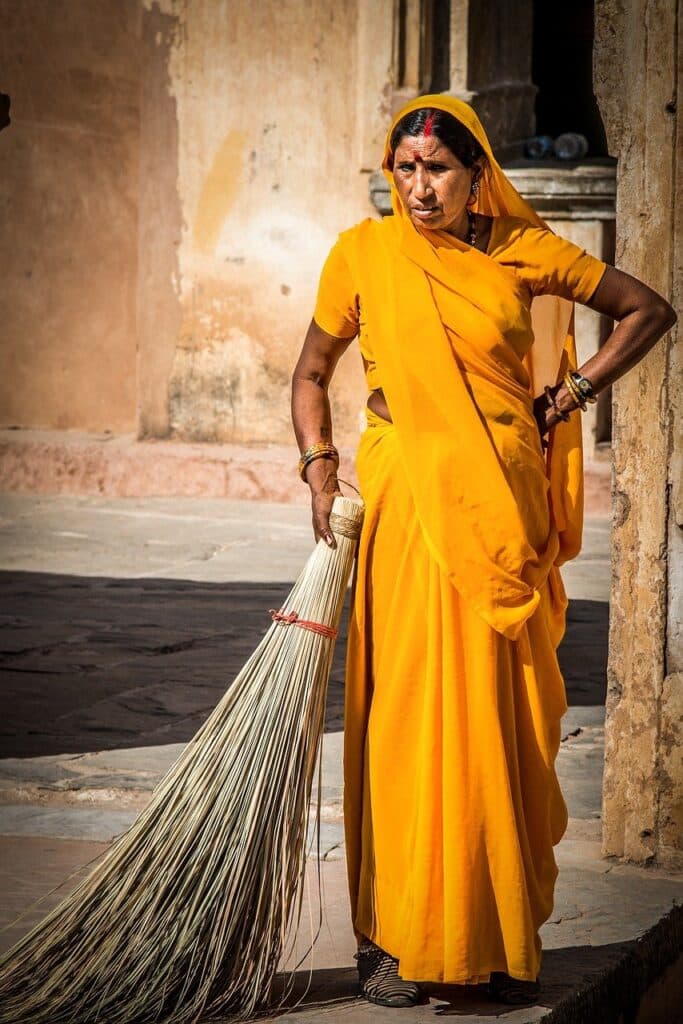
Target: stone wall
x,y
636,69
68,205
267,176
173,178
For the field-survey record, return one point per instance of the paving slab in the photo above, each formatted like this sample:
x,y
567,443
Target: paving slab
x,y
203,539
122,622
583,937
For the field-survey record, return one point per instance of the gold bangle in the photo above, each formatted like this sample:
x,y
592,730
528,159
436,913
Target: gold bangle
x,y
321,450
571,388
319,455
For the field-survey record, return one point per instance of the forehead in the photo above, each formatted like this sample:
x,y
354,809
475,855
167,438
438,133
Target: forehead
x,y
424,147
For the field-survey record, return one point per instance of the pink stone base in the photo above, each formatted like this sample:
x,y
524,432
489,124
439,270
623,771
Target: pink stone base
x,y
42,462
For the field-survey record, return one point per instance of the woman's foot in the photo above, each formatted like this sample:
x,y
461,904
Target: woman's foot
x,y
379,978
513,991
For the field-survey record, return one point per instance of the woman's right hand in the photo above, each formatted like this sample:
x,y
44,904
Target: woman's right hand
x,y
321,476
313,422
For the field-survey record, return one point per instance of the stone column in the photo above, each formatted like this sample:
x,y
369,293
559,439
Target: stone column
x,y
490,67
636,62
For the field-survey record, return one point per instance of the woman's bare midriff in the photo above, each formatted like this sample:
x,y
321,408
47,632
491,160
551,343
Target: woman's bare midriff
x,y
378,404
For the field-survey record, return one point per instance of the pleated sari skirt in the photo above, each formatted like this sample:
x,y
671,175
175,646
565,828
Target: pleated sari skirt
x,y
452,804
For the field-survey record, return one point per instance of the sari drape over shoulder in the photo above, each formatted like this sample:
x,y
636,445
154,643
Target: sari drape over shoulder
x,y
453,692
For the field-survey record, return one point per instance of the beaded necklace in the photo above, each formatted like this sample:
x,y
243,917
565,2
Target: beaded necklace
x,y
472,229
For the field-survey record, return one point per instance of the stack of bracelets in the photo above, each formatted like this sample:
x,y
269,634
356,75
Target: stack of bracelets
x,y
321,450
578,386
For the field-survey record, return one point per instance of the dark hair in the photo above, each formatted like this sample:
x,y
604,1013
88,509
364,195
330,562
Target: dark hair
x,y
443,126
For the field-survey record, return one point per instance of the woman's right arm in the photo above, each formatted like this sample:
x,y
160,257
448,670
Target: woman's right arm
x,y
313,422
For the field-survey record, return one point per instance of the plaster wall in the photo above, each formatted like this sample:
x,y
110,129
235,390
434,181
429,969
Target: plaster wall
x,y
268,174
68,205
175,174
643,782
173,178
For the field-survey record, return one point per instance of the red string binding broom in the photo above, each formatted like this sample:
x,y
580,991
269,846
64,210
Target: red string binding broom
x,y
185,917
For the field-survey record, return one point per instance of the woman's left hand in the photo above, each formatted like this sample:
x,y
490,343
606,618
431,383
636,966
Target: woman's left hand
x,y
540,411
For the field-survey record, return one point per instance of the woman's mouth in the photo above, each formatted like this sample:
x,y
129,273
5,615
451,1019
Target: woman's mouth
x,y
424,212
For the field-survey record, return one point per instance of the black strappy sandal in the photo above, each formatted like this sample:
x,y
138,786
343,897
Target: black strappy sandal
x,y
513,991
380,981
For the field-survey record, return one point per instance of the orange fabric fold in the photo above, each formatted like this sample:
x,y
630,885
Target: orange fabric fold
x,y
420,316
552,322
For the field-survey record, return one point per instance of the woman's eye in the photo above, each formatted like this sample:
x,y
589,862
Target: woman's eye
x,y
406,168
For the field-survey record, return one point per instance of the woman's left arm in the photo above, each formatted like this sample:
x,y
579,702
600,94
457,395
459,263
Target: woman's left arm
x,y
643,317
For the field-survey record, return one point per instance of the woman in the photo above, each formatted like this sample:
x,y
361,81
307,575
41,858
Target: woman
x,y
471,471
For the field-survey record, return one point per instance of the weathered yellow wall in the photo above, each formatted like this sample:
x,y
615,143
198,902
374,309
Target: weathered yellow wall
x,y
267,177
68,207
173,178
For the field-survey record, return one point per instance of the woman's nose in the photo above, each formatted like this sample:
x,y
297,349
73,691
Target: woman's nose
x,y
422,187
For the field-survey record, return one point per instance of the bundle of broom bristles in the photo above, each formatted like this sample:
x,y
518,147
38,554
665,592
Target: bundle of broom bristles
x,y
186,916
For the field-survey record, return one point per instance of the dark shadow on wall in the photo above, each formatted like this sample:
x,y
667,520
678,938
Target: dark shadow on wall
x,y
92,663
5,104
562,70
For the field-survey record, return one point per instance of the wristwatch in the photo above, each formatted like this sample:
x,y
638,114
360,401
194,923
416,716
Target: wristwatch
x,y
584,386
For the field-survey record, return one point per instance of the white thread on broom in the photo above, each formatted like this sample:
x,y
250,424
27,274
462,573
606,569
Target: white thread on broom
x,y
186,915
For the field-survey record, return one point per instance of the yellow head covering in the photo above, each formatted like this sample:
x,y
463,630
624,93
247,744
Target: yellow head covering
x,y
498,197
554,350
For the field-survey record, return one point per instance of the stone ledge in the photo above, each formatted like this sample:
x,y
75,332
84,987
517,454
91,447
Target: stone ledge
x,y
56,462
644,985
119,466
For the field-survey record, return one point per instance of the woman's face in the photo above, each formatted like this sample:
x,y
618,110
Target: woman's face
x,y
433,184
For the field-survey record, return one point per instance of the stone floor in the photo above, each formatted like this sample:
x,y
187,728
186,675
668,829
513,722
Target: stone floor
x,y
123,621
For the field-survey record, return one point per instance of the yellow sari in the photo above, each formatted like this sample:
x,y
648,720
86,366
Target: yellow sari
x,y
453,692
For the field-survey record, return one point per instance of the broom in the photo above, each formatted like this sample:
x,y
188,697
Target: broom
x,y
186,915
